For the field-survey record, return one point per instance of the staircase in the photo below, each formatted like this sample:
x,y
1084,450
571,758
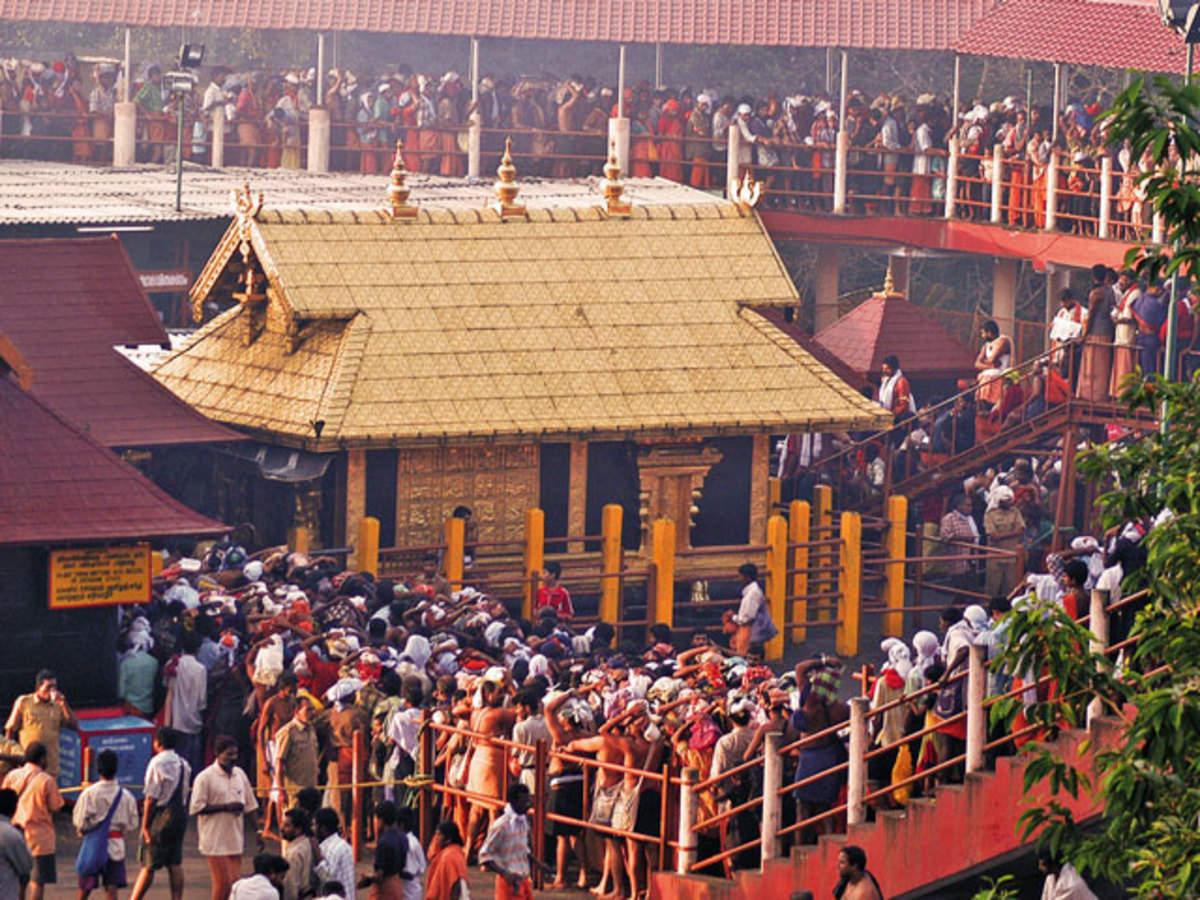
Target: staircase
x,y
934,841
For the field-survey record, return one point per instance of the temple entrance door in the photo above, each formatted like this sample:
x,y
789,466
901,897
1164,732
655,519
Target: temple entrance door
x,y
671,480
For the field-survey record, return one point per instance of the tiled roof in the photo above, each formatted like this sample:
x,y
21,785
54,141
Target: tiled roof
x,y
776,317
892,24
33,193
1115,34
65,304
884,325
58,485
461,326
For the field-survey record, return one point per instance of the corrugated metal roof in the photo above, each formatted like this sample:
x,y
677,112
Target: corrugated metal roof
x,y
59,485
66,304
875,24
1115,34
35,193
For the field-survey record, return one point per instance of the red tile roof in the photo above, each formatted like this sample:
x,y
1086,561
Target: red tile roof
x,y
66,304
881,326
58,485
892,24
1115,34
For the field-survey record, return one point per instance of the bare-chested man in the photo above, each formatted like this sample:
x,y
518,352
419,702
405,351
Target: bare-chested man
x,y
855,883
609,747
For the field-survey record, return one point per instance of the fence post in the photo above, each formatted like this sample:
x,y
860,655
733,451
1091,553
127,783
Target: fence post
x,y
85,777
662,544
774,494
1105,195
822,522
686,858
841,162
535,556
1098,624
895,545
733,149
951,178
799,528
856,780
777,564
218,137
366,554
997,183
772,808
456,547
850,585
976,713
356,755
611,522
1052,191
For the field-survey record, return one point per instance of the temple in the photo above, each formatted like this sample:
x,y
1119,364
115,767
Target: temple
x,y
561,351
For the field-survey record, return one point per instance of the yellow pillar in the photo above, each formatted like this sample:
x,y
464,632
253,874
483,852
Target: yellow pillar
x,y
367,549
662,544
610,563
298,539
850,587
774,495
777,566
893,571
799,529
156,563
535,556
456,541
822,527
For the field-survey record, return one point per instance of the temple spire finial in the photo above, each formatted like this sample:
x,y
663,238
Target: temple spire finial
x,y
398,190
507,188
614,188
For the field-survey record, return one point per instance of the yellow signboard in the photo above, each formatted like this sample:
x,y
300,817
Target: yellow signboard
x,y
99,576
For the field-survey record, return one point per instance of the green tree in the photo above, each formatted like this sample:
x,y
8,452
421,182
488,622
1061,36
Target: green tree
x,y
1148,836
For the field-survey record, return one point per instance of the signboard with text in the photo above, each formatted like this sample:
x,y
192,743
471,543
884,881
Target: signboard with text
x,y
99,576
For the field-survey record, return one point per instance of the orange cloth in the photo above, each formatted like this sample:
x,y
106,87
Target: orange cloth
x,y
505,892
446,868
670,148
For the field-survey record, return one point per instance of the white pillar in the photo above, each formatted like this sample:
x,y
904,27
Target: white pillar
x,y
319,138
1106,194
1157,229
1056,280
618,137
826,286
1098,625
686,857
856,780
1057,102
844,88
976,712
957,101
658,65
828,70
474,70
732,150
319,85
951,177
1052,191
217,156
621,83
772,808
127,79
124,134
1004,293
841,163
997,184
474,145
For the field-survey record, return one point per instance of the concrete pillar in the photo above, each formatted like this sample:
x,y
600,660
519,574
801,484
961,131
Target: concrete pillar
x,y
776,593
856,780
951,178
829,262
618,136
840,164
474,146
1106,194
319,138
997,184
217,156
772,808
621,82
900,272
1004,293
976,713
534,557
1157,229
732,149
610,561
127,68
124,134
1052,191
1098,625
686,857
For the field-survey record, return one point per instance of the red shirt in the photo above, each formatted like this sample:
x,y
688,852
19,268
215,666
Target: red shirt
x,y
557,597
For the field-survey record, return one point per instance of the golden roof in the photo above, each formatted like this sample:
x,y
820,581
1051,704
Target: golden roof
x,y
457,325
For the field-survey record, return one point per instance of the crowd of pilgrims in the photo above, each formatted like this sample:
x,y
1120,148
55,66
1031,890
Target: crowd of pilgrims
x,y
898,145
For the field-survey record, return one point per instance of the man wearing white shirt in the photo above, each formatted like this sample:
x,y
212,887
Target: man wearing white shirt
x,y
748,611
265,883
221,797
187,697
337,856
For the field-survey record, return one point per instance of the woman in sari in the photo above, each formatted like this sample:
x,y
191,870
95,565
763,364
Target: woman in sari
x,y
993,360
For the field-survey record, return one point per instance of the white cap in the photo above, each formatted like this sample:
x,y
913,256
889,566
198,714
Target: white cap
x,y
744,109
